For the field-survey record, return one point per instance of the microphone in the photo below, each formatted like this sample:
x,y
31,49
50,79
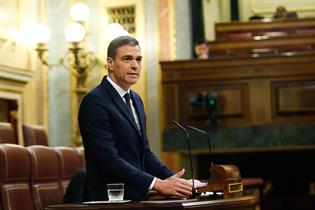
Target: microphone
x,y
222,177
190,158
208,138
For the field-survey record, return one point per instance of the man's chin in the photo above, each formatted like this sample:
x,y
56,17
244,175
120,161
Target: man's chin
x,y
133,79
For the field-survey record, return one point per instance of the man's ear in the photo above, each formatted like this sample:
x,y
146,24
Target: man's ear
x,y
110,63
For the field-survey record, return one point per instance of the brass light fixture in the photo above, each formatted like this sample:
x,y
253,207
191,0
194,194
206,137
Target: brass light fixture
x,y
77,59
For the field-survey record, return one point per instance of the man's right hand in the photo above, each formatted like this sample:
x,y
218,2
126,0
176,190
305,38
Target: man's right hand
x,y
174,186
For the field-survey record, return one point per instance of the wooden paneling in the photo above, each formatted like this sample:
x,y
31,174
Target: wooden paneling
x,y
256,39
233,102
263,47
275,28
171,106
294,98
264,43
252,91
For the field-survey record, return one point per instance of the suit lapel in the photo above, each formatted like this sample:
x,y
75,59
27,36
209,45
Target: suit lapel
x,y
118,101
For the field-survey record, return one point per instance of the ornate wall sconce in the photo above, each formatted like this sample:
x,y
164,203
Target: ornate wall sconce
x,y
77,59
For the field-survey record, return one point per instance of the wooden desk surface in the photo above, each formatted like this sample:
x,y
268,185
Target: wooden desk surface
x,y
245,202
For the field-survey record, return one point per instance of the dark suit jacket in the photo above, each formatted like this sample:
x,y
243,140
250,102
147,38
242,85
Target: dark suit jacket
x,y
115,150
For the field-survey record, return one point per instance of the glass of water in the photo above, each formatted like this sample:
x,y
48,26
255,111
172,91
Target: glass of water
x,y
115,191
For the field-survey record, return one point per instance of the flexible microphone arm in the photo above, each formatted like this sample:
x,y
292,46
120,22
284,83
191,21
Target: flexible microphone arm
x,y
208,138
190,158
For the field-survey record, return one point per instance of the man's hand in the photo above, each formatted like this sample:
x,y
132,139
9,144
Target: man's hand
x,y
174,186
198,183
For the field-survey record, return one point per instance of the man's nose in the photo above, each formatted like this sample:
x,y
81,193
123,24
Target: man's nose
x,y
134,64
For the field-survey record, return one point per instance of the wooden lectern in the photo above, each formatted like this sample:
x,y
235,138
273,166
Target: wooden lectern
x,y
226,179
241,203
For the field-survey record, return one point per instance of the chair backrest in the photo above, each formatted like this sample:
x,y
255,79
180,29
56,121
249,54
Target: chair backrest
x,y
71,163
14,178
45,175
81,152
34,135
7,133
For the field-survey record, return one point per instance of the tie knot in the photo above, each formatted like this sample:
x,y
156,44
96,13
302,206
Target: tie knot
x,y
127,97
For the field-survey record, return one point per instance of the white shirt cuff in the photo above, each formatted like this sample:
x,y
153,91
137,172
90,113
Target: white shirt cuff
x,y
152,183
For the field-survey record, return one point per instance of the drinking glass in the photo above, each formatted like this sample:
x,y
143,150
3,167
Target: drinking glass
x,y
115,191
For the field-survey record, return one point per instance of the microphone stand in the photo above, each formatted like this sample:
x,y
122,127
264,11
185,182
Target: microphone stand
x,y
208,138
190,158
221,176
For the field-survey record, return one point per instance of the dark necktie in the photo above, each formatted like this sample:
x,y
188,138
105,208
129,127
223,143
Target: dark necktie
x,y
127,99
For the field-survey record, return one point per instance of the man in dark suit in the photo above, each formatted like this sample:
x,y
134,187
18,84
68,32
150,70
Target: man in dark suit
x,y
112,122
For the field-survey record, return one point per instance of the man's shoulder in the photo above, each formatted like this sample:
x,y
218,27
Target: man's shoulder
x,y
95,92
99,90
98,93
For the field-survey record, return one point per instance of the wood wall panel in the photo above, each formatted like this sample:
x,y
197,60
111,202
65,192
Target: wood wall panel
x,y
260,99
233,103
294,98
258,39
170,106
252,91
291,26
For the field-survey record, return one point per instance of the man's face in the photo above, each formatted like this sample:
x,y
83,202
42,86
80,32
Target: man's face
x,y
125,69
202,51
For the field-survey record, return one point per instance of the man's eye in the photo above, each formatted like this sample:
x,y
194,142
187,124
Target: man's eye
x,y
126,58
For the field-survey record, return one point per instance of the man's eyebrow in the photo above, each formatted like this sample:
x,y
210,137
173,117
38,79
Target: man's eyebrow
x,y
131,56
126,56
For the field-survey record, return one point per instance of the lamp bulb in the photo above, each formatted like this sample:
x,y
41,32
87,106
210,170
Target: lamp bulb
x,y
42,34
79,12
75,32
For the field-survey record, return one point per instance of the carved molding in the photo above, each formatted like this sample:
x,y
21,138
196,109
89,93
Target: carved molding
x,y
125,16
14,79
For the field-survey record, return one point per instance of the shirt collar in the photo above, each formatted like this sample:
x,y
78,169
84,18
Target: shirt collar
x,y
120,91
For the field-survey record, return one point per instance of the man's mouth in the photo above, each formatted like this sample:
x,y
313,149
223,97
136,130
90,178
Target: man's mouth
x,y
133,74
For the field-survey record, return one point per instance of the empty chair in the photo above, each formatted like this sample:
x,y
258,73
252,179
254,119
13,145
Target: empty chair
x,y
71,163
7,133
252,183
34,135
254,186
14,178
45,175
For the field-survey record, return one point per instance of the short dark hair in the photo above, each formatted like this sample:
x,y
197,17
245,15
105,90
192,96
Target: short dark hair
x,y
118,42
201,41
